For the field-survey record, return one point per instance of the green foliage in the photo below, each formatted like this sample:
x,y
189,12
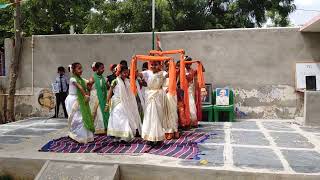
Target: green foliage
x,y
6,177
135,16
278,20
56,16
102,16
6,22
48,17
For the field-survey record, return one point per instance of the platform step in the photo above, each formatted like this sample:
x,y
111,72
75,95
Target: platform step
x,y
78,170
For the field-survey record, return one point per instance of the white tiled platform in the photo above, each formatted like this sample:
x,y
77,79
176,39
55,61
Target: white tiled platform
x,y
278,149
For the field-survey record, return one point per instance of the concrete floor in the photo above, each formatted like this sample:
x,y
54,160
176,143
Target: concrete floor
x,y
279,147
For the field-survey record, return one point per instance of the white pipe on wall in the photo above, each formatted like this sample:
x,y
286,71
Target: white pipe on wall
x,y
32,72
153,14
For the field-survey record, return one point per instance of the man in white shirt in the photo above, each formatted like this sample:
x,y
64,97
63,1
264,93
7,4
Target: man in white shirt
x,y
62,84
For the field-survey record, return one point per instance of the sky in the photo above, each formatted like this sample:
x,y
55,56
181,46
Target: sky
x,y
300,17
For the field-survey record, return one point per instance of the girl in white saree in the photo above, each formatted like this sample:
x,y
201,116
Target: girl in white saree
x,y
80,121
155,115
98,99
124,118
172,101
190,73
156,120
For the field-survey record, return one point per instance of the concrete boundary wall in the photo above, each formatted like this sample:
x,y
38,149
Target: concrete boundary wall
x,y
257,63
29,168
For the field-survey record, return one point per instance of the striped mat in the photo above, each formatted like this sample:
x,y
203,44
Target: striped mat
x,y
185,147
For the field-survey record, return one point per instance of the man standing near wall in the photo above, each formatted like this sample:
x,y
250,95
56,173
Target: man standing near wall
x,y
62,87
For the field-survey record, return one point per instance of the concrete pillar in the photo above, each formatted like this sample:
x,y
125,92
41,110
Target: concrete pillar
x,y
312,108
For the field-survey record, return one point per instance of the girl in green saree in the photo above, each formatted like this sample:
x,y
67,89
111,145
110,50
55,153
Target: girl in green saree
x,y
98,99
81,127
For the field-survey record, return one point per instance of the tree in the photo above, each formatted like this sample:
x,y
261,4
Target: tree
x,y
47,17
39,17
14,63
6,23
135,16
56,16
278,20
121,16
100,16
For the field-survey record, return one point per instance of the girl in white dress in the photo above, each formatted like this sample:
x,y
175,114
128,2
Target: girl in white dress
x,y
98,99
155,121
81,127
190,74
124,118
196,89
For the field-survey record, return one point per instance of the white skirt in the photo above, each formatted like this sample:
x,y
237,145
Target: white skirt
x,y
172,113
118,124
154,115
192,104
96,113
77,130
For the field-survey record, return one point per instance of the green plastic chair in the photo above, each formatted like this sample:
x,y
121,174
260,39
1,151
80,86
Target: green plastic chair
x,y
209,109
229,109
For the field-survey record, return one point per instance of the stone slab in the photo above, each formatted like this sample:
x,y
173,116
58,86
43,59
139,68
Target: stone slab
x,y
55,120
216,136
11,139
49,126
245,125
211,153
215,125
27,121
311,129
83,171
3,131
20,168
291,140
303,161
248,138
258,158
29,132
12,127
277,126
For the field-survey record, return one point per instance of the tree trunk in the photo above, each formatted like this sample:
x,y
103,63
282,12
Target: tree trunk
x,y
14,64
5,105
2,106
